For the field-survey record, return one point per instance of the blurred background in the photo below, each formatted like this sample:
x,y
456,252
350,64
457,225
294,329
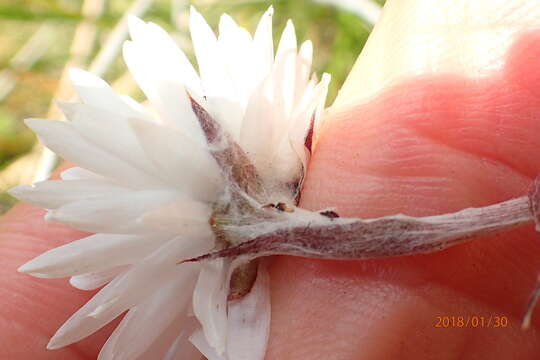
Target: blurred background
x,y
40,39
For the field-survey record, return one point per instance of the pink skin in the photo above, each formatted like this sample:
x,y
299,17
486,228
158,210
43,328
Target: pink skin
x,y
429,145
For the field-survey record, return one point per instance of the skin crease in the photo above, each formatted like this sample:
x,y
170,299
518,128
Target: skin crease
x,y
428,143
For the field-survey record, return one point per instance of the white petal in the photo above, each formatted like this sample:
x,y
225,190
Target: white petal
x,y
258,127
108,131
174,343
199,340
263,44
168,61
227,111
303,68
77,173
184,217
210,302
183,163
52,194
269,149
304,114
236,47
285,75
229,28
93,253
249,321
124,292
222,100
206,50
64,140
164,88
158,312
182,348
94,91
107,351
137,28
291,152
233,37
94,280
118,215
320,107
165,52
138,107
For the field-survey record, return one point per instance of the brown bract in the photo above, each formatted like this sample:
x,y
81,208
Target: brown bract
x,y
232,160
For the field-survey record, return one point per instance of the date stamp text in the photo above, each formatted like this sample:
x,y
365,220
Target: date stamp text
x,y
471,321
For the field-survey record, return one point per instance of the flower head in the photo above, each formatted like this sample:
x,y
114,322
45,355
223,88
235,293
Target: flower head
x,y
152,185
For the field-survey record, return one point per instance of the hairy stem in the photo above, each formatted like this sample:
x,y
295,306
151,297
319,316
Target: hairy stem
x,y
320,236
325,235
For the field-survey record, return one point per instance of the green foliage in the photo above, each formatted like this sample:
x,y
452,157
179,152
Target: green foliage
x,y
14,139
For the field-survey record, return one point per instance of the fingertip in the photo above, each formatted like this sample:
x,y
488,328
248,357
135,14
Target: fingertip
x,y
521,64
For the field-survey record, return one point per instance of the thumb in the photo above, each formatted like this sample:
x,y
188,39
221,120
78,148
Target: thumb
x,y
426,124
420,37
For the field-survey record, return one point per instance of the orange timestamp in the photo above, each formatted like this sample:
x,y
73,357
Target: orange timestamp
x,y
471,321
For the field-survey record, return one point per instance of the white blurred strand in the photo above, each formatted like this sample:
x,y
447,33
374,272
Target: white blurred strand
x,y
8,79
26,57
179,7
368,10
34,48
112,46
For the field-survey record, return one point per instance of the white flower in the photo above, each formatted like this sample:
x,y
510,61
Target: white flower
x,y
150,183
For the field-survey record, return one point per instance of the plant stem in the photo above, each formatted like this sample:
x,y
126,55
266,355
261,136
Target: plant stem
x,y
318,236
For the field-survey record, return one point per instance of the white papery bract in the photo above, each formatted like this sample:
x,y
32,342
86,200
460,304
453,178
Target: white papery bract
x,y
147,184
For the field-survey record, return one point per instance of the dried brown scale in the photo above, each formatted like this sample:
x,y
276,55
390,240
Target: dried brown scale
x,y
242,280
329,214
221,241
296,186
230,157
308,143
284,207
